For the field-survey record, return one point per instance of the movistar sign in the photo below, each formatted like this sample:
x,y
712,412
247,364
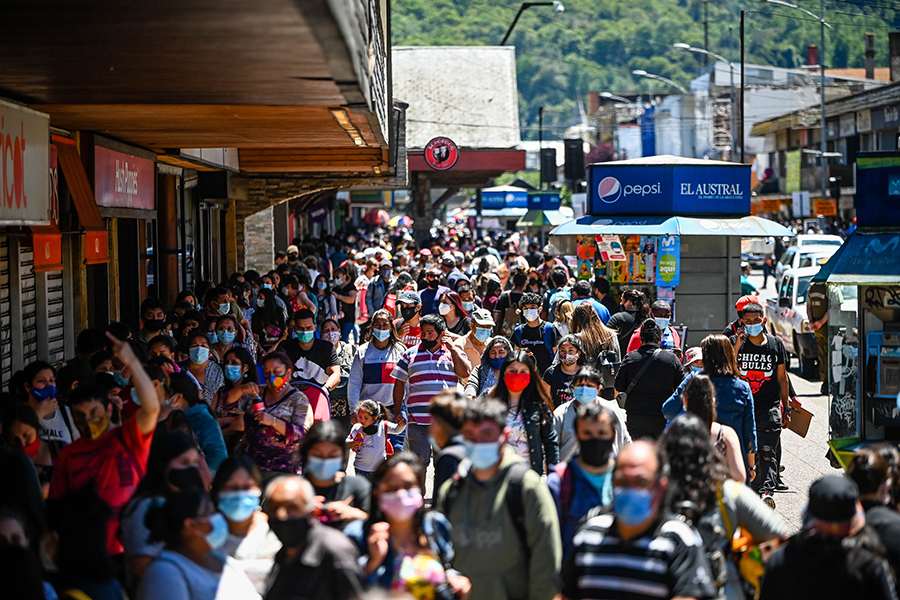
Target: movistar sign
x,y
709,188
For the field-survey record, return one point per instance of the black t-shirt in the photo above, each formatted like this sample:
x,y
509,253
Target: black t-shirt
x,y
758,366
623,324
533,339
610,303
349,309
310,365
462,327
350,485
655,385
559,382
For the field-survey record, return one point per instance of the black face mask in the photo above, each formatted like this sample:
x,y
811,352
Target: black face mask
x,y
595,451
408,312
429,344
187,478
434,283
154,324
292,531
371,429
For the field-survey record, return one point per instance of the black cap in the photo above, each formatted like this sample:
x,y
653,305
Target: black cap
x,y
833,499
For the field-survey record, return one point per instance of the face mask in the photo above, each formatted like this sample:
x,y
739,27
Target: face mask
x,y
381,334
239,506
212,337
434,283
285,292
531,314
429,344
305,337
333,336
94,428
121,381
154,324
482,334
322,285
595,451
199,355
223,309
371,429
516,382
277,382
45,393
338,282
186,478
226,337
292,532
483,455
496,363
695,369
32,449
468,306
323,469
755,329
585,394
233,372
260,302
569,359
402,504
408,312
632,506
429,265
134,397
219,533
444,309
663,323
267,286
386,274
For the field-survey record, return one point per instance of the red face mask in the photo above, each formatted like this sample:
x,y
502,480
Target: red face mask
x,y
32,449
516,382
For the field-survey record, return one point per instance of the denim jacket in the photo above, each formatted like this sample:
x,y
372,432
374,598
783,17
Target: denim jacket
x,y
543,443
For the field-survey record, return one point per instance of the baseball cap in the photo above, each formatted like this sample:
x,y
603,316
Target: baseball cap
x,y
458,256
293,249
482,316
425,252
744,301
448,261
409,297
834,506
386,263
693,354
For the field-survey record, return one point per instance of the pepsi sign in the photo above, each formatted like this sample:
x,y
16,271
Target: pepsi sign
x,y
678,189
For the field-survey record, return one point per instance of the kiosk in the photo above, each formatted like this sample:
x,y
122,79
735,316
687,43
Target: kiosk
x,y
671,227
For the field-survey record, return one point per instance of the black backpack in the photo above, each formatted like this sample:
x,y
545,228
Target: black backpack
x,y
716,542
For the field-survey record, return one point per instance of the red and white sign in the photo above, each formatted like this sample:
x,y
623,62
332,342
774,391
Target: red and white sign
x,y
24,166
441,153
124,181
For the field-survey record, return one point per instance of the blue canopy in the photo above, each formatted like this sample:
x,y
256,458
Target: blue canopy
x,y
865,258
621,225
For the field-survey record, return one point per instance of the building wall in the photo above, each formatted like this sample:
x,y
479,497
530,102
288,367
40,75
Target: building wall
x,y
704,302
259,241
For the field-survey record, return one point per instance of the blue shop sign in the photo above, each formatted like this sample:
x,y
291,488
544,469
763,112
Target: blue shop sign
x,y
635,189
878,189
504,197
543,201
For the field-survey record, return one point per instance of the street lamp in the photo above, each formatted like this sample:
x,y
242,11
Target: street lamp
x,y
557,6
643,73
689,48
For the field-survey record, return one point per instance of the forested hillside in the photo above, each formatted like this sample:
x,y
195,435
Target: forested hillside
x,y
595,44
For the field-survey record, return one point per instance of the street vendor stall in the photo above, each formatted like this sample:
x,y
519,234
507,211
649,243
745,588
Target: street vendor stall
x,y
671,227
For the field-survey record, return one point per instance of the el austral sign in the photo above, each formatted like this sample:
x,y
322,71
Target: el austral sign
x,y
668,189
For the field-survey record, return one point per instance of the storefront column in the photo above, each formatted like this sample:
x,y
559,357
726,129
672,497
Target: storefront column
x,y
230,241
167,237
115,288
281,216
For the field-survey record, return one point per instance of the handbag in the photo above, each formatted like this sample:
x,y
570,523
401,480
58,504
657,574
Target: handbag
x,y
622,397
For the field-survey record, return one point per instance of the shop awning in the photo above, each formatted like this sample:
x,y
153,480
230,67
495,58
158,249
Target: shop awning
x,y
541,218
865,258
623,225
96,244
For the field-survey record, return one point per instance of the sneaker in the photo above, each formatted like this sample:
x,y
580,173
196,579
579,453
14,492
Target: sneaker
x,y
781,487
769,500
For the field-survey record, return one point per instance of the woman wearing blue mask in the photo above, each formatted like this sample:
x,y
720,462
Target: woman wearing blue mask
x,y
192,567
569,358
236,491
269,322
40,394
340,409
229,334
370,372
241,379
325,299
324,453
486,374
207,373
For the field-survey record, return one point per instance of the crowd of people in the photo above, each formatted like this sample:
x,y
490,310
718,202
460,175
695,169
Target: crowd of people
x,y
270,437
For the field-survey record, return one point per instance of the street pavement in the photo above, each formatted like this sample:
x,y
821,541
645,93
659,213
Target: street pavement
x,y
803,458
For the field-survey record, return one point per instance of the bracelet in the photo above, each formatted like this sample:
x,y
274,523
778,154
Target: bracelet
x,y
753,468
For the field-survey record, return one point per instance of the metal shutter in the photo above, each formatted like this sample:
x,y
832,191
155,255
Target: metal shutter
x,y
6,352
56,333
29,305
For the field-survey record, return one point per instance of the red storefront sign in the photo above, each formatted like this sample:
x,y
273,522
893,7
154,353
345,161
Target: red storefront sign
x,y
47,241
96,247
123,181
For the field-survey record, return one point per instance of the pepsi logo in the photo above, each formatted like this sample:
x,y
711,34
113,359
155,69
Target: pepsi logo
x,y
609,189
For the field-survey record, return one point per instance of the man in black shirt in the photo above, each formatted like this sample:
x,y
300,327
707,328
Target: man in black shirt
x,y
653,387
762,362
536,335
315,360
345,291
601,290
871,472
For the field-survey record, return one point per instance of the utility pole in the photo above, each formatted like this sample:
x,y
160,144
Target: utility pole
x,y
541,144
823,160
705,30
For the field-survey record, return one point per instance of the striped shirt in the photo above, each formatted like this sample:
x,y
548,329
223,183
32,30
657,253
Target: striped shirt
x,y
670,562
427,374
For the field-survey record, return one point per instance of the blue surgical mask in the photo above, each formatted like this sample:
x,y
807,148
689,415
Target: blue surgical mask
x,y
323,469
233,373
134,397
219,533
322,285
585,394
45,393
305,337
482,334
755,329
212,336
239,506
662,322
468,306
121,381
381,334
496,363
695,369
483,455
267,286
260,302
223,309
226,337
199,355
632,506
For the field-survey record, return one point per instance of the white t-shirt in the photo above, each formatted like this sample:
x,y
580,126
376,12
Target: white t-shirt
x,y
374,447
54,428
518,437
254,554
173,576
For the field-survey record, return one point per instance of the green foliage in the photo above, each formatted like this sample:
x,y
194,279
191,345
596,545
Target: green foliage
x,y
595,44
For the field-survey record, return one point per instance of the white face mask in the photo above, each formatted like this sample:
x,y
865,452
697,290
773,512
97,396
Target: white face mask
x,y
531,314
444,309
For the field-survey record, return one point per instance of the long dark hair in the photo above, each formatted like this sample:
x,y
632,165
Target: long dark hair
x,y
595,336
850,557
700,397
229,467
535,394
394,339
404,457
718,356
641,307
166,447
80,519
166,521
270,313
243,355
696,469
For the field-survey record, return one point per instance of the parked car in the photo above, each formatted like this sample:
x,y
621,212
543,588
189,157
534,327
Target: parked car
x,y
801,257
819,239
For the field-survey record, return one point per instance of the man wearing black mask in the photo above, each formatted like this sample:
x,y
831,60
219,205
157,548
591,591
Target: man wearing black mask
x,y
153,321
431,295
315,561
410,308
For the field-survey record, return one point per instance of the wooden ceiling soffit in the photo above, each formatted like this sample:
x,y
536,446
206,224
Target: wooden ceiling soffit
x,y
159,126
312,160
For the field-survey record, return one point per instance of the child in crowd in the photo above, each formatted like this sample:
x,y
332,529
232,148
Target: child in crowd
x,y
368,438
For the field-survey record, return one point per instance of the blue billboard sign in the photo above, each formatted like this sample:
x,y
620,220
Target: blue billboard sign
x,y
543,201
676,189
878,189
504,197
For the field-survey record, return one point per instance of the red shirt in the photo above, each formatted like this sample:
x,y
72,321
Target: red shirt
x,y
115,461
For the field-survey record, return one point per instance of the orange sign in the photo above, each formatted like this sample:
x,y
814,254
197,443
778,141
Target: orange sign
x,y
770,206
47,252
96,247
826,208
754,208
